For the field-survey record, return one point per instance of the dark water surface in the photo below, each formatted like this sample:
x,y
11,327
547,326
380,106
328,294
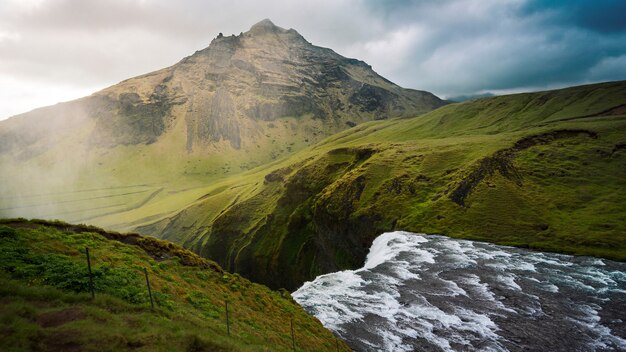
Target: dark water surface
x,y
433,293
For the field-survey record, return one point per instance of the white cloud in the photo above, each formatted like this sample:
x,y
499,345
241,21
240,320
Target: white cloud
x,y
609,68
391,51
6,36
18,96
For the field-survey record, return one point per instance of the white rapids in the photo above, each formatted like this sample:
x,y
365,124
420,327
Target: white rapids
x,y
434,293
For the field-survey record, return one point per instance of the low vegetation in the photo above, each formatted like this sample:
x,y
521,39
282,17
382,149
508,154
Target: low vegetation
x,y
46,304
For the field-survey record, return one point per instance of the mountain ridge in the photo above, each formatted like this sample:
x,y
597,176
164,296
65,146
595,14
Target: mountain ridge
x,y
262,74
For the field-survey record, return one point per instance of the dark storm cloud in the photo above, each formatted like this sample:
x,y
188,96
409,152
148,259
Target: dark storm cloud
x,y
606,16
54,50
470,47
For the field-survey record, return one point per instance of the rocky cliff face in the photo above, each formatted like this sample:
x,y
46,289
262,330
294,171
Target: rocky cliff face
x,y
221,92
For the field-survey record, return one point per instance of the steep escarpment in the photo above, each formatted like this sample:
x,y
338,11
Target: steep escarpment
x,y
515,170
296,232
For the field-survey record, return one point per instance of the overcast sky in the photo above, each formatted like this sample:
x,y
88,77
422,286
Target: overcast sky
x,y
59,50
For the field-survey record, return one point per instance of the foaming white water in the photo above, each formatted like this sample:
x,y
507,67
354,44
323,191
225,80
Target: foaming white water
x,y
388,245
509,281
330,288
426,292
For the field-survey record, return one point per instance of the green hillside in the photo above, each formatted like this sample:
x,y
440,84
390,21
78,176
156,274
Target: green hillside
x,y
152,144
542,170
46,305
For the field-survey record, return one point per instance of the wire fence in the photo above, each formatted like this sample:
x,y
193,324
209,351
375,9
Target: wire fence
x,y
226,305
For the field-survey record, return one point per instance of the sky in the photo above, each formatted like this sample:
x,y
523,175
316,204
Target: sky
x,y
60,50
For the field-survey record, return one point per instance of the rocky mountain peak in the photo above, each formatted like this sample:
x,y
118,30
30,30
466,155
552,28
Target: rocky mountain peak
x,y
265,25
266,29
263,35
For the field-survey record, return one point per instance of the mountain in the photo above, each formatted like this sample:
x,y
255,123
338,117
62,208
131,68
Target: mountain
x,y
244,101
46,304
543,170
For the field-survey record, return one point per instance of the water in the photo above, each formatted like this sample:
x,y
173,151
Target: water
x,y
433,293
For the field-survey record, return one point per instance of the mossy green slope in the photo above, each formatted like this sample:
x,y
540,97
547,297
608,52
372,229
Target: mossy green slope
x,y
542,170
45,304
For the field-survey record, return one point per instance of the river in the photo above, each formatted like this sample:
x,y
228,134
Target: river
x,y
420,292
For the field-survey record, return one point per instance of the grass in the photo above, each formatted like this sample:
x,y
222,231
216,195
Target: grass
x,y
324,205
46,305
45,187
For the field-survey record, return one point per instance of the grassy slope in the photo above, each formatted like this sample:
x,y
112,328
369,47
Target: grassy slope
x,y
45,305
119,187
542,170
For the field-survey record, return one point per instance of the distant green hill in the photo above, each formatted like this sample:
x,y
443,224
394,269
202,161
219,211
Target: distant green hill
x,y
45,304
542,170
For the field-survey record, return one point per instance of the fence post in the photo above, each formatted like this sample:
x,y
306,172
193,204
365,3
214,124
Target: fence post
x,y
227,319
91,288
293,338
145,271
